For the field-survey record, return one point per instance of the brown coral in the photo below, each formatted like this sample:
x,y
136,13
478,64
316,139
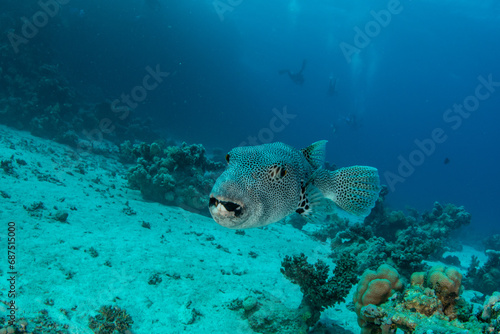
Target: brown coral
x,y
417,278
421,308
375,288
446,283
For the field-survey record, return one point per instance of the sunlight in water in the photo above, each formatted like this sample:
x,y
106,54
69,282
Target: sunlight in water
x,y
294,10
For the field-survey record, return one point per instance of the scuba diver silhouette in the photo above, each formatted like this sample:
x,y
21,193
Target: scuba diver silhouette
x,y
332,86
352,121
297,77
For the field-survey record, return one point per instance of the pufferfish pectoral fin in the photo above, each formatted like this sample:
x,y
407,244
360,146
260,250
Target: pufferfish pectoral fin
x,y
354,189
313,206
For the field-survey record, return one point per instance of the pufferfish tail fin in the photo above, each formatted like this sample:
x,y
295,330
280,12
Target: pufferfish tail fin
x,y
354,189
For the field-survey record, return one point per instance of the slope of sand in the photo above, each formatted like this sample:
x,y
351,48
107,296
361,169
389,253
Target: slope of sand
x,y
202,266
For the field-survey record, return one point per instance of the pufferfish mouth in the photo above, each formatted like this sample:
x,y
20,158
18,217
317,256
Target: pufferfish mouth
x,y
225,208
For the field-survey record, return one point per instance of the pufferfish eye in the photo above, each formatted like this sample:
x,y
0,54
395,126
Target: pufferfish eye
x,y
227,158
278,172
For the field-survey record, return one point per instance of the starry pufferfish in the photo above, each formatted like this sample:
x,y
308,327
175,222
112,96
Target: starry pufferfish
x,y
266,183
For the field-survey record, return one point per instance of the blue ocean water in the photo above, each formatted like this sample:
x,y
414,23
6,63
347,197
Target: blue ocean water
x,y
102,228
401,71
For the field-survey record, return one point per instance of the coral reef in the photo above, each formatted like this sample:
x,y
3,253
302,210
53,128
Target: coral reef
x,y
485,279
174,175
438,223
374,288
35,95
432,304
319,290
442,220
492,242
358,240
445,281
404,241
491,307
413,245
111,320
41,324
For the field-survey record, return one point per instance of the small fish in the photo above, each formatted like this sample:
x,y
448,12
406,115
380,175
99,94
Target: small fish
x,y
446,161
266,183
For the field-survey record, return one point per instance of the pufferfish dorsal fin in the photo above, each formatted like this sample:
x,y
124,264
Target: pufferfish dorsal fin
x,y
315,153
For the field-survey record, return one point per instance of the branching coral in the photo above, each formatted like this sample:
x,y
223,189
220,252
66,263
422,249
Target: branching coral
x,y
369,253
111,320
486,278
319,290
268,315
413,245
